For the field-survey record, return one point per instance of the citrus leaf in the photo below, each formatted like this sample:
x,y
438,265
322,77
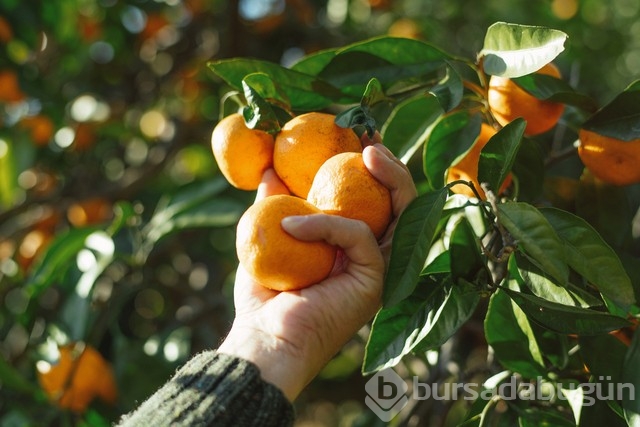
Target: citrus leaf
x,y
509,333
535,236
258,114
529,170
513,50
412,239
550,88
449,90
305,92
425,320
8,174
590,256
451,137
620,118
465,256
408,124
565,319
499,154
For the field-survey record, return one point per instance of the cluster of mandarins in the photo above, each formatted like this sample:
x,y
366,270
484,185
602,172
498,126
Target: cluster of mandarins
x,y
321,166
608,159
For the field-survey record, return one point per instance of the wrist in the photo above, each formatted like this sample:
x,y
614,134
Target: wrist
x,y
279,363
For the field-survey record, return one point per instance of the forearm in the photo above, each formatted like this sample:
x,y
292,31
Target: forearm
x,y
214,389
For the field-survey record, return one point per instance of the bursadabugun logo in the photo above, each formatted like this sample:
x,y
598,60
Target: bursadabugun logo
x,y
386,394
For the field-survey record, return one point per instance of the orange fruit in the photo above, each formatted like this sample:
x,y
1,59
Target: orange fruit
x,y
242,154
273,257
80,375
611,160
10,87
304,143
344,186
508,101
467,168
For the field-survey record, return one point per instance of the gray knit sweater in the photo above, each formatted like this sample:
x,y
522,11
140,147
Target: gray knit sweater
x,y
214,389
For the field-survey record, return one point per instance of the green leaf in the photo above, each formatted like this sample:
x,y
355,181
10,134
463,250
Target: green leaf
x,y
387,59
604,356
620,118
513,50
590,256
631,375
549,88
421,322
509,333
529,171
450,138
411,242
498,155
408,125
258,114
12,379
527,273
306,92
533,417
565,319
535,236
449,90
465,255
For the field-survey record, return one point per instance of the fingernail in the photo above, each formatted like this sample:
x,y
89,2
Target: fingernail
x,y
291,222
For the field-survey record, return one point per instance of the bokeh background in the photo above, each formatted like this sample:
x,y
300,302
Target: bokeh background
x,y
106,112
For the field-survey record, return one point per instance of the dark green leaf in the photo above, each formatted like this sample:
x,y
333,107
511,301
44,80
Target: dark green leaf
x,y
411,242
498,155
305,92
631,376
620,118
535,236
355,117
549,88
421,322
258,114
406,128
603,355
450,138
12,379
529,171
465,254
513,50
440,264
589,255
449,90
565,319
533,417
510,335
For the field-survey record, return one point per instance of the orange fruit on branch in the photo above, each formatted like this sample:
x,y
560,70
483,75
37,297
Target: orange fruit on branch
x,y
344,186
508,101
273,257
466,169
242,154
80,375
609,159
304,143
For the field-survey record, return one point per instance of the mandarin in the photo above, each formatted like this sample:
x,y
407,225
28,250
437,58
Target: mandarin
x,y
304,143
344,186
80,375
508,101
273,257
609,159
467,168
242,154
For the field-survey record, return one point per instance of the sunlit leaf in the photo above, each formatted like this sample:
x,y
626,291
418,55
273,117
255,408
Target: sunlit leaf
x,y
514,50
510,335
565,319
407,127
535,236
411,241
8,173
589,255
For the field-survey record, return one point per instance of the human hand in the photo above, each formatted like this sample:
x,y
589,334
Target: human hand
x,y
291,335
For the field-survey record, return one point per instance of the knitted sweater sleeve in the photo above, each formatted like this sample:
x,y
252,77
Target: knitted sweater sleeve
x,y
214,389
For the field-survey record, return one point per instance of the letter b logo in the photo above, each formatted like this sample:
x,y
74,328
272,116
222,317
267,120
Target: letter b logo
x,y
386,394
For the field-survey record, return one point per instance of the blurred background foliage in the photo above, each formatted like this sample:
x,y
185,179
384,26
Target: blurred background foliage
x,y
117,230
